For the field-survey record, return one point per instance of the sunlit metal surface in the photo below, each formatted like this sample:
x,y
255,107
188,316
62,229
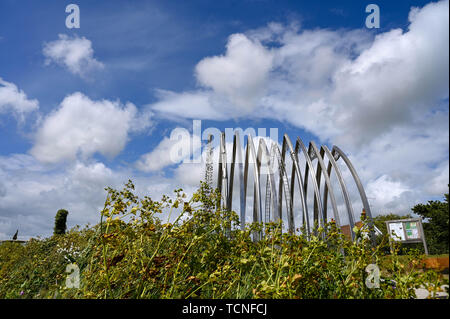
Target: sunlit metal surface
x,y
270,163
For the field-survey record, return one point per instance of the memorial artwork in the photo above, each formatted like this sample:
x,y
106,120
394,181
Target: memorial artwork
x,y
269,162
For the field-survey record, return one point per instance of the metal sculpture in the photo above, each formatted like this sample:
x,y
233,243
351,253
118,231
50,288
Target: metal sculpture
x,y
256,158
209,168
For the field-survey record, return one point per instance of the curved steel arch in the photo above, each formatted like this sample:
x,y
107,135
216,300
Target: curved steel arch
x,y
296,173
348,204
267,157
362,193
250,151
237,152
310,169
322,170
283,185
222,177
263,151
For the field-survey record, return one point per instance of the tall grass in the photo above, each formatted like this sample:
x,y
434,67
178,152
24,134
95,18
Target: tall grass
x,y
131,253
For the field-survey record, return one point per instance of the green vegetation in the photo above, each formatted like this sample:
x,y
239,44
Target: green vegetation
x,y
131,253
60,222
436,227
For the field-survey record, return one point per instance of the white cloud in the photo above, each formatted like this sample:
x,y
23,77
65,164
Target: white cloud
x,y
31,193
158,158
399,77
180,147
340,85
240,74
34,192
14,100
74,53
414,156
385,190
232,84
188,161
384,100
196,105
438,181
81,126
192,172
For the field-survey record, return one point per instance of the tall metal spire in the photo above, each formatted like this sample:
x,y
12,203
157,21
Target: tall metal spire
x,y
209,166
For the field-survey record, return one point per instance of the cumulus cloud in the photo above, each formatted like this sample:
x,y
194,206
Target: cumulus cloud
x,y
400,76
14,100
82,127
196,105
240,74
340,85
189,155
411,160
157,159
168,152
347,89
382,99
74,53
186,155
32,192
385,190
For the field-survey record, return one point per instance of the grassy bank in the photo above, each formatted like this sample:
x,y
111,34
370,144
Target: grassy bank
x,y
131,253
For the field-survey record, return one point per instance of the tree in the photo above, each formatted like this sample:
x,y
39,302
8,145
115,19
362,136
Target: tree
x,y
435,226
60,222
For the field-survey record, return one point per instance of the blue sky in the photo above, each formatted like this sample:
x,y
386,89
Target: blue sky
x,y
311,69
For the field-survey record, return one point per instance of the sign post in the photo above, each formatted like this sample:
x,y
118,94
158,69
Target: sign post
x,y
407,231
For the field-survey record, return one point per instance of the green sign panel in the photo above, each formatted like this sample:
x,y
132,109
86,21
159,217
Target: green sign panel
x,y
407,231
412,231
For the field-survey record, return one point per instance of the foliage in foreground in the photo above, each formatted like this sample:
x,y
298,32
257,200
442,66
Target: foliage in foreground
x,y
436,229
202,254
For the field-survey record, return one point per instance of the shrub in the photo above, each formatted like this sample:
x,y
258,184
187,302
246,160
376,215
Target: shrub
x,y
203,253
60,222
